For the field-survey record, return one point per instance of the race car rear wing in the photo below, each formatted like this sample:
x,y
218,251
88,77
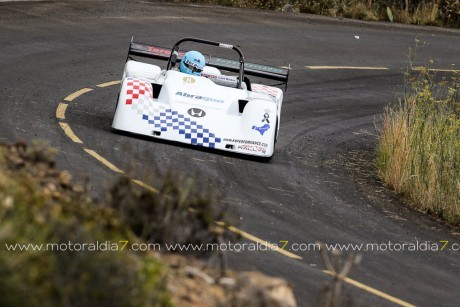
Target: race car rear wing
x,y
257,70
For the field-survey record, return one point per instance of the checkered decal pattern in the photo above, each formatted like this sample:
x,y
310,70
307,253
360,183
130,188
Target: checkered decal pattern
x,y
137,90
197,134
263,89
139,96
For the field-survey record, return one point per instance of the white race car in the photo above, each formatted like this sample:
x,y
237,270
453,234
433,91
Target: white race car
x,y
211,110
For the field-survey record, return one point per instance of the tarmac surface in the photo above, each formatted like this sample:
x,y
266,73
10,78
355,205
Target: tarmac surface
x,y
321,184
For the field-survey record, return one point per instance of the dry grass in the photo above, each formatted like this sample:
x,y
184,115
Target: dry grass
x,y
419,148
423,14
439,12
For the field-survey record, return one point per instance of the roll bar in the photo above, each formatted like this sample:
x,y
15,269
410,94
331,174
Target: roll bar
x,y
175,52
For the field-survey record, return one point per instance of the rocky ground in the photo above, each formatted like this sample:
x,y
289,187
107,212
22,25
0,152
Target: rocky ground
x,y
190,281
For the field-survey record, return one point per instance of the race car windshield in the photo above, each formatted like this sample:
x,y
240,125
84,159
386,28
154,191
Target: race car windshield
x,y
193,68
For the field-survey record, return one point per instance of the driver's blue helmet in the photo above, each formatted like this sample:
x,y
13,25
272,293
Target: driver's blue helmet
x,y
192,63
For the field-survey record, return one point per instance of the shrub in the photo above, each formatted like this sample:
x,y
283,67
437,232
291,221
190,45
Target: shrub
x,y
182,212
419,147
39,205
421,12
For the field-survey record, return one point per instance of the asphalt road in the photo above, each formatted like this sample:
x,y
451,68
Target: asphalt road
x,y
320,186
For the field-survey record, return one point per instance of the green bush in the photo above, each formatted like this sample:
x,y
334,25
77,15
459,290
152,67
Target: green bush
x,y
39,205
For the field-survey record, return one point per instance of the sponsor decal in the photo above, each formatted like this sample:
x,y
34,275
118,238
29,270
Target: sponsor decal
x,y
261,129
193,64
226,46
266,117
188,80
252,148
198,97
246,142
154,50
195,112
222,79
209,76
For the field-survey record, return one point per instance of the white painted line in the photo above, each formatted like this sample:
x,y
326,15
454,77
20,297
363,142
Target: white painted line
x,y
280,190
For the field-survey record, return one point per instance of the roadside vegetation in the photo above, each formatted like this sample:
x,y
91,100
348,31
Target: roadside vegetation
x,y
40,204
444,13
419,148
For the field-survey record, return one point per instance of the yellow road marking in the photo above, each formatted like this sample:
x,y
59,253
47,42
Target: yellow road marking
x,y
77,93
372,290
260,241
294,256
347,67
104,161
60,111
144,185
418,68
70,133
108,83
243,234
